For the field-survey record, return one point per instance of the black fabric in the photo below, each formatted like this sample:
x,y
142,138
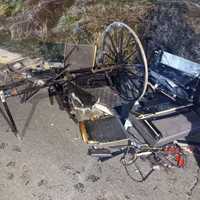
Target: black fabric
x,y
104,130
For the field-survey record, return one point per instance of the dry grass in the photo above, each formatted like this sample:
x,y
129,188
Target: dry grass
x,y
193,16
85,24
38,17
97,17
60,20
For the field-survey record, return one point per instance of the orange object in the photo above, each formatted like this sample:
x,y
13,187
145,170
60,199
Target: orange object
x,y
14,92
177,157
180,160
172,149
83,131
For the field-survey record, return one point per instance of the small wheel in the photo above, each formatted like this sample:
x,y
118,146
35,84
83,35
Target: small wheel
x,y
121,51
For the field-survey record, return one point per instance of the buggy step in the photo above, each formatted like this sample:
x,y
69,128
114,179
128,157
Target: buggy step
x,y
104,132
159,131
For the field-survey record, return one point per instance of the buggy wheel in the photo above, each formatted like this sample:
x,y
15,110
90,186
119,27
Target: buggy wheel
x,y
121,52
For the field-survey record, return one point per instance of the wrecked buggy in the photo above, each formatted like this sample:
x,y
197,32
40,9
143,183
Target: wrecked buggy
x,y
120,103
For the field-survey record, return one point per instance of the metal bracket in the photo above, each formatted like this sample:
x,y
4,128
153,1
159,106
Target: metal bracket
x,y
8,115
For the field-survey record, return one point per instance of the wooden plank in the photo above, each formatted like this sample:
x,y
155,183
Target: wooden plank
x,y
7,57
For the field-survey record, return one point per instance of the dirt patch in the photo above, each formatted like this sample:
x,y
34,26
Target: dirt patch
x,y
79,187
10,176
17,149
3,145
11,164
93,178
42,182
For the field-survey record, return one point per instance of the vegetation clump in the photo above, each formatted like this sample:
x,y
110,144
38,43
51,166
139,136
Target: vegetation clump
x,y
170,25
67,19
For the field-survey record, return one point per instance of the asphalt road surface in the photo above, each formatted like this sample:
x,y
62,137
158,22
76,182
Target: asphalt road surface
x,y
51,163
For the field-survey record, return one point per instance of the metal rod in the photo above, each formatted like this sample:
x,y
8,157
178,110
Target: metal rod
x,y
168,111
12,122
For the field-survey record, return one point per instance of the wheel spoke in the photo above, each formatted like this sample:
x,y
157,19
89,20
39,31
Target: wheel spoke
x,y
128,40
111,40
121,41
133,84
106,54
127,91
110,49
123,90
115,35
138,60
129,56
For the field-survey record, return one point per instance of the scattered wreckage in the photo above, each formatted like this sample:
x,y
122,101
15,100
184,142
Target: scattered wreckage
x,y
121,104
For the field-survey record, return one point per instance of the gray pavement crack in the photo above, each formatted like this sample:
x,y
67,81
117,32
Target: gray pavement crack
x,y
195,183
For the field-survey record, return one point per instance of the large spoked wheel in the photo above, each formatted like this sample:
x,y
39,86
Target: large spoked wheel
x,y
121,52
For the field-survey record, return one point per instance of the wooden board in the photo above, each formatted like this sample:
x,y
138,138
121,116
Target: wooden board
x,y
7,57
79,56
